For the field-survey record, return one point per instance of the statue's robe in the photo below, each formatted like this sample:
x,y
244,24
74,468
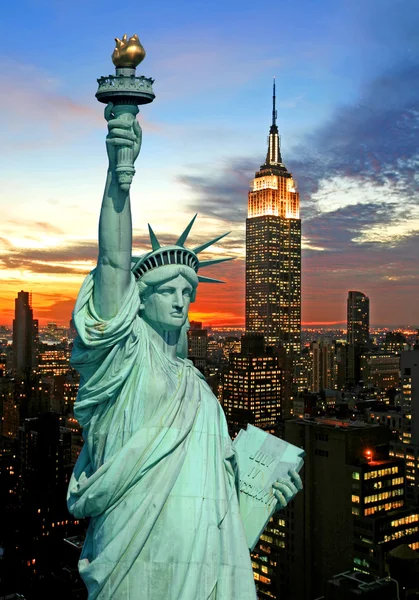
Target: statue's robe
x,y
157,473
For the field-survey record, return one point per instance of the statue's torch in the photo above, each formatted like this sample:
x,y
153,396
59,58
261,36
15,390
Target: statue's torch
x,y
126,91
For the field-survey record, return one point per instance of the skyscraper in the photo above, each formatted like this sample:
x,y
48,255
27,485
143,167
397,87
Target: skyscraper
x,y
252,386
198,345
322,374
273,251
318,525
25,336
408,446
358,333
358,318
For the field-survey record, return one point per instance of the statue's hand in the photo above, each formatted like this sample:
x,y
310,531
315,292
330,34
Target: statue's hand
x,y
285,490
124,130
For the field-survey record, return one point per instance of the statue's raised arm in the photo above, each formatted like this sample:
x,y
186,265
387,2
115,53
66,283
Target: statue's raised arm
x,y
113,270
157,475
122,93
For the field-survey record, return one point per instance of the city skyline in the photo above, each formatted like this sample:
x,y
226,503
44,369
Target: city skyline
x,y
347,96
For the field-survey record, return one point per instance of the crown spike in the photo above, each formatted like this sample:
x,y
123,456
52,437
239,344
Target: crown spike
x,y
208,263
155,244
210,243
185,234
203,279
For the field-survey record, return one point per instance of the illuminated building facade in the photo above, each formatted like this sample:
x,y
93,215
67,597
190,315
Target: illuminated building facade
x,y
252,389
378,486
230,345
358,330
312,539
70,391
380,369
383,520
322,375
273,251
408,446
358,333
409,364
394,341
376,535
54,361
10,419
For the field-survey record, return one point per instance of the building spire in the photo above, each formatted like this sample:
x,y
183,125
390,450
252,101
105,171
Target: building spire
x,y
273,157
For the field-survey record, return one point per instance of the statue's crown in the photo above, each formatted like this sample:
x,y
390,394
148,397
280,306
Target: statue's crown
x,y
175,255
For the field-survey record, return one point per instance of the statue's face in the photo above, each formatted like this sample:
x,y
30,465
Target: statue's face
x,y
166,305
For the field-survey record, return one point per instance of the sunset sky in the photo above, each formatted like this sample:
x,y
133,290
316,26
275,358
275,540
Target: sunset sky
x,y
347,76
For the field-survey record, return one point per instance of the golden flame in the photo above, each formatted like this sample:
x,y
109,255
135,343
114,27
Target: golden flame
x,y
128,53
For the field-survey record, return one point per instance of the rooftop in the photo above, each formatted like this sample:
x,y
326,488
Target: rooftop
x,y
335,423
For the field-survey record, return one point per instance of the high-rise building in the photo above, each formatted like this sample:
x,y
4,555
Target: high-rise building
x,y
358,333
9,409
380,369
273,251
252,389
54,361
410,392
313,537
408,446
358,330
38,519
25,336
376,535
317,367
198,345
394,341
323,366
341,364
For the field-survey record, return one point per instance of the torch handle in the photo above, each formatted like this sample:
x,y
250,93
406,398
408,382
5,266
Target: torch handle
x,y
125,170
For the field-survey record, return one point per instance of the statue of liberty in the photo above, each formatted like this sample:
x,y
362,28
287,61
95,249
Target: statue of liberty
x,y
157,474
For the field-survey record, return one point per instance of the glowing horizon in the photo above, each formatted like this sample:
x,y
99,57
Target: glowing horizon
x,y
205,136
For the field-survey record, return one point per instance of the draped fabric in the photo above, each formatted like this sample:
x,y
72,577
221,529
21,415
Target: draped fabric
x,y
157,473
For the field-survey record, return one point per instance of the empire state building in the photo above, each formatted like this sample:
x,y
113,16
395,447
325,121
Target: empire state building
x,y
273,251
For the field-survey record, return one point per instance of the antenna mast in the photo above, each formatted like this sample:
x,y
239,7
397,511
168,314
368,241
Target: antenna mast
x,y
274,114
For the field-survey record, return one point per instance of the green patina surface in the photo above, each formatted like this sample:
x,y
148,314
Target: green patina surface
x,y
158,475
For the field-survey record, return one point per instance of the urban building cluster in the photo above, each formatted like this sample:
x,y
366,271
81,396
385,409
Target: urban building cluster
x,y
349,397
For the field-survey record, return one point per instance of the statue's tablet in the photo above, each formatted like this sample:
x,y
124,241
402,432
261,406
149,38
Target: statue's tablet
x,y
263,459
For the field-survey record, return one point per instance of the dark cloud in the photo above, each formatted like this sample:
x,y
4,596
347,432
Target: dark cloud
x,y
374,141
26,264
222,195
234,240
77,251
62,259
336,230
42,260
370,145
